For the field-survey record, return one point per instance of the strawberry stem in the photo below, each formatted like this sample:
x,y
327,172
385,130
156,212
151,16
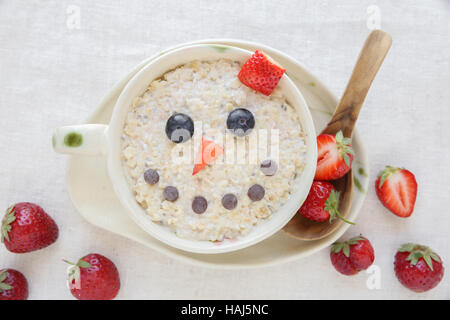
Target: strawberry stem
x,y
332,205
66,261
343,219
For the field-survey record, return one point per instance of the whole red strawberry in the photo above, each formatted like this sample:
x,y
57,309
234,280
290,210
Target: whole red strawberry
x,y
27,227
13,285
397,190
417,267
94,277
322,203
334,156
261,73
352,256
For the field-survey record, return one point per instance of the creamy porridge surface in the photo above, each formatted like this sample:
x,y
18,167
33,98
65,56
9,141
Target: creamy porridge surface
x,y
208,91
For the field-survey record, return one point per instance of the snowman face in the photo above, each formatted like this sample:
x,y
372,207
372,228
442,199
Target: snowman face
x,y
208,157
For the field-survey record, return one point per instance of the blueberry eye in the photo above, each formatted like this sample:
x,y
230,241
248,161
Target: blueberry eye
x,y
241,121
179,128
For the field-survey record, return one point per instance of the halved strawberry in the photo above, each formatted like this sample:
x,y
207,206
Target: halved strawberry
x,y
397,190
261,73
207,152
335,156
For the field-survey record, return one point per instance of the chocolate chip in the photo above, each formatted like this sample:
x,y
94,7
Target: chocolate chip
x,y
151,176
269,167
170,193
229,201
199,204
256,192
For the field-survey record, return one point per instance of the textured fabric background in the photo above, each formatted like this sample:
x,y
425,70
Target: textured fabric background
x,y
54,69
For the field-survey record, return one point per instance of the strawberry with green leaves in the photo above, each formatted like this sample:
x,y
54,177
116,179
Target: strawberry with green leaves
x,y
93,277
322,203
418,267
13,285
334,156
397,190
27,227
352,256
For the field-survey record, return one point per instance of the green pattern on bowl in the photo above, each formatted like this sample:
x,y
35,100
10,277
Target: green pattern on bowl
x,y
219,48
73,139
362,172
359,174
358,185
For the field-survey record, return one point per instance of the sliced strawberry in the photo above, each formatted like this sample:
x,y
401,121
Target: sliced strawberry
x,y
397,190
208,152
261,73
335,156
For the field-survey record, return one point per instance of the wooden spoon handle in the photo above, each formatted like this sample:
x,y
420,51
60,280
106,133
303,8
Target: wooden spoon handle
x,y
369,61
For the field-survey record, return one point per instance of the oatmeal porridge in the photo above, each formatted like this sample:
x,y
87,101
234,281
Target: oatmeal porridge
x,y
248,175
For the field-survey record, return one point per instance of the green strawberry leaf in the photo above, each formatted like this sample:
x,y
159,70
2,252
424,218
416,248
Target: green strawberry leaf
x,y
331,204
4,286
355,240
348,149
435,257
10,217
74,271
345,246
417,252
84,264
337,247
427,259
347,160
385,173
344,147
339,136
2,276
407,247
346,250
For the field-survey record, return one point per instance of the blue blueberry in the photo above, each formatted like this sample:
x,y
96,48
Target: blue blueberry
x,y
179,128
241,121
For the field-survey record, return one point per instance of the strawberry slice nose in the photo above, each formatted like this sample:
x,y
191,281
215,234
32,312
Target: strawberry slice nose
x,y
207,152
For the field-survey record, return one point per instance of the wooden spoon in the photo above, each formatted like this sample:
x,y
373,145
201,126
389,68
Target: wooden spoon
x,y
344,118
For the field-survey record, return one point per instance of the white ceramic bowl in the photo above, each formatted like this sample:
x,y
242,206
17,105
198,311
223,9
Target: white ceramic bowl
x,y
97,139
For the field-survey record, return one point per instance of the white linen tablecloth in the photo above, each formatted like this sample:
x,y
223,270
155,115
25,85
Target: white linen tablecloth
x,y
59,58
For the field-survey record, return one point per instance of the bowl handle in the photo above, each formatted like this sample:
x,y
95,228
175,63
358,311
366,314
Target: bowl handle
x,y
86,139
